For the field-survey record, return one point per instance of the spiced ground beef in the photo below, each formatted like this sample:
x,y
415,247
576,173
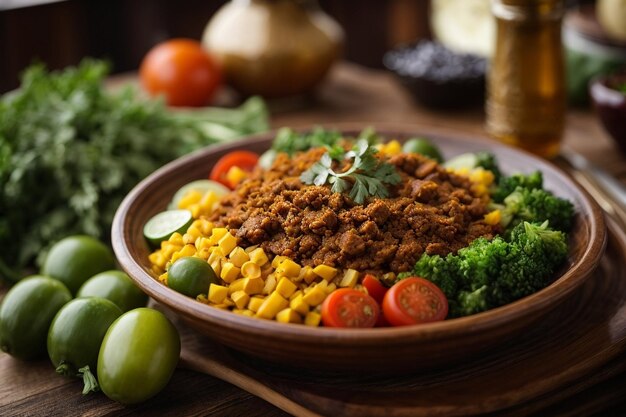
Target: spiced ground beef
x,y
430,210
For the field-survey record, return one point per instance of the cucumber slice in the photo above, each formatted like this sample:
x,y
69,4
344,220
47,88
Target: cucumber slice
x,y
165,224
202,186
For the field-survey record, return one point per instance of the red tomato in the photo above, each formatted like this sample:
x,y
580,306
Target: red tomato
x,y
243,159
413,301
349,308
374,288
181,70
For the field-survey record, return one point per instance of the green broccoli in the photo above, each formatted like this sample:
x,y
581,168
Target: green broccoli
x,y
491,273
508,184
536,205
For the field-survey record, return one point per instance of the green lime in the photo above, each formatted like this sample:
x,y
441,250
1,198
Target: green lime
x,y
202,186
191,276
115,286
74,259
165,224
424,147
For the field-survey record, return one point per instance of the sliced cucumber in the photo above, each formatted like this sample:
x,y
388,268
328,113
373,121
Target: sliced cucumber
x,y
165,224
202,186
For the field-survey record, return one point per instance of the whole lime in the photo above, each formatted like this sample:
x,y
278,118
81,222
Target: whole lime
x,y
191,276
74,259
115,286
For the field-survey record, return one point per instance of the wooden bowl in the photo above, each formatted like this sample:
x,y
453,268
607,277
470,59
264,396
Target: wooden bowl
x,y
367,350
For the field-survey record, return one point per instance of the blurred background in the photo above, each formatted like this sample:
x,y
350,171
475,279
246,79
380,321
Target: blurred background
x,y
61,32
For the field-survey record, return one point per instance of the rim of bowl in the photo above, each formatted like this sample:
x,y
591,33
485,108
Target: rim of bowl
x,y
579,271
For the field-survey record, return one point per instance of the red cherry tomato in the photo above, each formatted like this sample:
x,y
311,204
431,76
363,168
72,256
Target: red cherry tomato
x,y
243,159
413,301
374,288
349,308
181,70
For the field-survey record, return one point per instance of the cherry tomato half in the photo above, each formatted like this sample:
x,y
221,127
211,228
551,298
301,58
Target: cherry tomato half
x,y
413,301
349,308
243,159
181,70
374,288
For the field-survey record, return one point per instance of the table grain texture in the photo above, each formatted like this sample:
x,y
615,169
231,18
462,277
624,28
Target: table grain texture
x,y
350,94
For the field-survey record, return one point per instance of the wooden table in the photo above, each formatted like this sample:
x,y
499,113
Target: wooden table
x,y
351,94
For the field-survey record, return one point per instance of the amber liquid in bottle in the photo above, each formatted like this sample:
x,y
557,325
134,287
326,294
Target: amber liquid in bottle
x,y
526,84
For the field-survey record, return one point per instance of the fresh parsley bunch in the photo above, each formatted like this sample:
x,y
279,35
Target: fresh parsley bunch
x,y
366,177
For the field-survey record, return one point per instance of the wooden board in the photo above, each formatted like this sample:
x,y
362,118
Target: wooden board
x,y
574,349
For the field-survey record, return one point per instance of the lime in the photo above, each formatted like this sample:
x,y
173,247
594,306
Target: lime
x,y
74,259
424,147
202,186
165,224
191,276
115,286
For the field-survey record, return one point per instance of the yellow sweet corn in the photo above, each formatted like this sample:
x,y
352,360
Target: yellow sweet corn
x,y
270,284
217,233
227,243
190,197
312,319
236,285
288,268
392,147
217,293
299,305
187,250
295,294
330,288
258,256
240,298
349,278
277,260
287,315
325,271
235,175
238,257
285,287
314,297
176,239
250,270
253,286
255,303
493,217
229,272
271,306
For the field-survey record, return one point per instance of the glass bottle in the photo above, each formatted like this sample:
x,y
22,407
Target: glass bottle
x,y
526,84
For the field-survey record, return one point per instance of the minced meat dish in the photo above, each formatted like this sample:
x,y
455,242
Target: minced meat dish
x,y
430,211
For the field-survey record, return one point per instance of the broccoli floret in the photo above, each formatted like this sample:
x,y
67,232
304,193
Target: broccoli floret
x,y
491,273
537,205
507,185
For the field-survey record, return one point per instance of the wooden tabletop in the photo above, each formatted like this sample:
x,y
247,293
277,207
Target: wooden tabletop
x,y
350,94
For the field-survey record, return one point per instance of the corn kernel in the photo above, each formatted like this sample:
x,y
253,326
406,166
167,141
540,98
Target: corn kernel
x,y
309,275
248,313
285,287
271,306
229,272
330,288
258,256
217,233
187,250
203,254
349,278
250,270
289,268
235,175
392,148
325,271
176,239
240,298
322,285
238,256
295,294
253,285
298,304
227,243
493,217
208,201
206,227
255,303
217,293
163,278
312,319
251,248
314,297
270,284
190,197
277,260
203,243
236,285
287,315
222,306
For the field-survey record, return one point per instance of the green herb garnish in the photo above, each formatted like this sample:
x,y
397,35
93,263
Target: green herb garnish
x,y
367,176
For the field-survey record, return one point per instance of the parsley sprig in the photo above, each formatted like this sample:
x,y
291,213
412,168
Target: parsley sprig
x,y
367,176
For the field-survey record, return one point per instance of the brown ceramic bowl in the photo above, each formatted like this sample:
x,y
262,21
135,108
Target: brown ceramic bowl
x,y
368,350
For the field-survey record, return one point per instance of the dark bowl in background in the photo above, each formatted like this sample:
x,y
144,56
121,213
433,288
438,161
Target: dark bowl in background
x,y
610,105
438,92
